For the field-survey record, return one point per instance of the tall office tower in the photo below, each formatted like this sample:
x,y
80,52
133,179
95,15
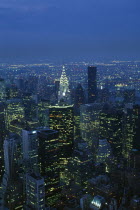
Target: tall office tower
x,y
31,110
2,137
111,128
90,124
30,107
64,92
14,116
30,150
136,113
27,103
80,166
61,118
2,90
92,84
79,96
49,164
129,131
35,192
104,151
11,188
9,155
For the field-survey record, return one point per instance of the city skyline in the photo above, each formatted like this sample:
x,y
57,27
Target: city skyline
x,y
69,105
69,136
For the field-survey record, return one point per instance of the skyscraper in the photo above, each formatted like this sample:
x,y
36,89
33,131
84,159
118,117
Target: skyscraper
x,y
92,84
64,92
61,118
30,149
104,151
11,190
15,116
9,152
129,129
111,128
35,192
90,124
49,164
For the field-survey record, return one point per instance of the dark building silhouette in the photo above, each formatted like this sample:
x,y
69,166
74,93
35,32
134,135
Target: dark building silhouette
x,y
136,113
92,84
79,96
49,164
11,191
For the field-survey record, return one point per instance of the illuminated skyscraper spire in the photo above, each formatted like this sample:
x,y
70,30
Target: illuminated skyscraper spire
x,y
64,91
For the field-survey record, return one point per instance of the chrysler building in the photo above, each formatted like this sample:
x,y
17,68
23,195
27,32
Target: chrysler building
x,y
64,92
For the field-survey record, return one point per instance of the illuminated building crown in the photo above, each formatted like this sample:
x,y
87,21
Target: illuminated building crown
x,y
63,79
64,86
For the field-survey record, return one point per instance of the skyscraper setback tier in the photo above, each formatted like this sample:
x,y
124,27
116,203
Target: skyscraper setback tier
x,y
92,84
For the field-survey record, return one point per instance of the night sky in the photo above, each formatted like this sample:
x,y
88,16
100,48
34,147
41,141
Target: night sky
x,y
69,27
